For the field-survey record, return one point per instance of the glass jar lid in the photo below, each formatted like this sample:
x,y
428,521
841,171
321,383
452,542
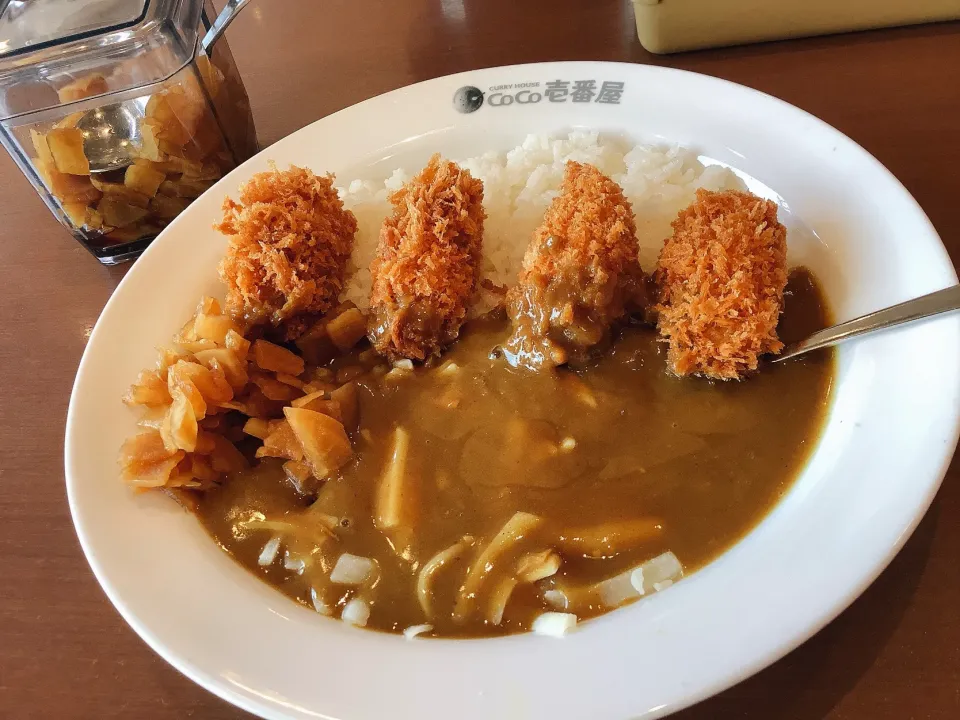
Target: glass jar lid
x,y
26,24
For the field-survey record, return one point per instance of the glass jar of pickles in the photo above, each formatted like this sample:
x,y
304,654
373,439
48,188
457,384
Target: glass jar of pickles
x,y
121,112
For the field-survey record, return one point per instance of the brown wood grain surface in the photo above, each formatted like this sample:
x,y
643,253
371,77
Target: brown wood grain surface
x,y
66,653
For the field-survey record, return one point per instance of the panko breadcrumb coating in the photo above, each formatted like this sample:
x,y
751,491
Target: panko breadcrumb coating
x,y
427,264
290,239
721,279
580,274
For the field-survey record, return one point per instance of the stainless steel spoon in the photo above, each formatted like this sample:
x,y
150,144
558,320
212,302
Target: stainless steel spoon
x,y
936,303
111,134
219,27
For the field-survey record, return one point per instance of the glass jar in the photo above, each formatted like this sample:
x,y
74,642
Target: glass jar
x,y
120,112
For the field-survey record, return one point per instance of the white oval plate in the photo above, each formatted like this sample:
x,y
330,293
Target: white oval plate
x,y
886,446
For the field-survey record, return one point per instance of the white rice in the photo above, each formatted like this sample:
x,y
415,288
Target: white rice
x,y
518,185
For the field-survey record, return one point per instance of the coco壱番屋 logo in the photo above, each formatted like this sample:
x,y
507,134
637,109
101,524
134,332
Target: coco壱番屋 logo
x,y
469,99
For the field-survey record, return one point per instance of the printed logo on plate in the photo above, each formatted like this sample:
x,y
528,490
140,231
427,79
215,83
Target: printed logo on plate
x,y
469,99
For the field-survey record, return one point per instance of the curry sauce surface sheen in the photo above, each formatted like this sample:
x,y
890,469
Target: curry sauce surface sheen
x,y
619,440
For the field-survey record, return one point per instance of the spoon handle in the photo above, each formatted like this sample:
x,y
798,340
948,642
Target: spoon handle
x,y
226,16
941,301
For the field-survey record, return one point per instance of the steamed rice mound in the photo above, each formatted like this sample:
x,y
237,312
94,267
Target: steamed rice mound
x,y
721,278
519,185
290,240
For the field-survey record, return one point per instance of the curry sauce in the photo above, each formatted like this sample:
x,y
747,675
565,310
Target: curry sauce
x,y
685,465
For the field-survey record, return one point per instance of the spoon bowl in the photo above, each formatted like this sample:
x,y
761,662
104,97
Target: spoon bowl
x,y
111,135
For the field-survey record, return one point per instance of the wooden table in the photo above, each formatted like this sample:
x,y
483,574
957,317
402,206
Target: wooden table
x,y
65,652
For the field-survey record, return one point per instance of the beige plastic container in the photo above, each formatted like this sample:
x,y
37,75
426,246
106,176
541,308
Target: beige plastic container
x,y
666,26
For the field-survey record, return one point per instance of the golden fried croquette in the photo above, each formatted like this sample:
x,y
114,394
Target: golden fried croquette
x,y
580,273
721,278
427,264
290,239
